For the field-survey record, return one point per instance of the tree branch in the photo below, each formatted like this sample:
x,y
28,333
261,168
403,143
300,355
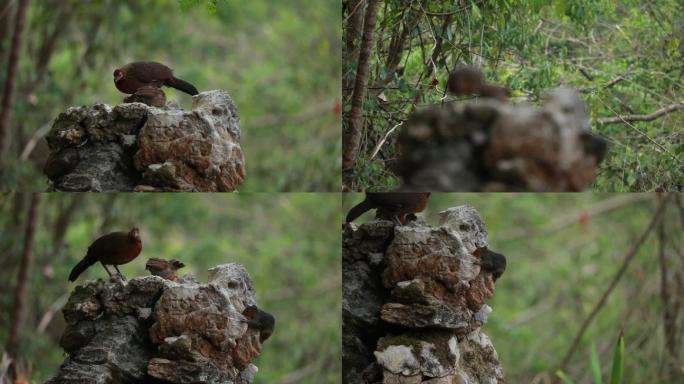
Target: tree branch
x,y
650,117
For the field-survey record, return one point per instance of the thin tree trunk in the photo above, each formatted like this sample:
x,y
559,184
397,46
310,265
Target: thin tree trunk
x,y
11,231
5,24
18,309
352,34
669,318
351,136
61,225
8,91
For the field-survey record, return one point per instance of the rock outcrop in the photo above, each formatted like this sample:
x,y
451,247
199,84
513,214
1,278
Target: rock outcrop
x,y
135,147
490,145
152,330
414,302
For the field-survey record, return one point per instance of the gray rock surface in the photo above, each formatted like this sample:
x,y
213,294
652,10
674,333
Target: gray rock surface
x,y
149,330
414,302
135,147
489,145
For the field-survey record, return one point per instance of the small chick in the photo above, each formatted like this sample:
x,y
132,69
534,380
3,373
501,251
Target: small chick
x,y
148,94
164,268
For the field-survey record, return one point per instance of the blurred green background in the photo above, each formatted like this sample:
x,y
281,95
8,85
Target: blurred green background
x,y
563,250
279,60
288,242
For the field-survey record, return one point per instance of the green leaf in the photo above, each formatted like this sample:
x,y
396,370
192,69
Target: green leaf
x,y
595,365
561,375
476,12
618,361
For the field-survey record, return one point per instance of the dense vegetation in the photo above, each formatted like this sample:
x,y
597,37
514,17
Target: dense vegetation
x,y
625,57
289,243
563,252
279,60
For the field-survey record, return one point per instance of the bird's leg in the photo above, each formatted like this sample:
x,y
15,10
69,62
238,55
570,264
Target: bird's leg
x,y
396,220
105,267
119,272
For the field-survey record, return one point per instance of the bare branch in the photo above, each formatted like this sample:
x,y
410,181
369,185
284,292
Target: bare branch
x,y
381,142
650,117
619,78
662,148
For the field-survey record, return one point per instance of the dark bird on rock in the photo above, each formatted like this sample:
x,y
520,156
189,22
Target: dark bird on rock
x,y
395,206
494,263
164,268
260,320
133,76
466,81
114,249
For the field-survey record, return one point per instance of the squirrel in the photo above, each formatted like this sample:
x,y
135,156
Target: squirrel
x,y
260,320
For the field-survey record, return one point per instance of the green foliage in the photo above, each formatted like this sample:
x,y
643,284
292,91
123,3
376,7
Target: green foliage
x,y
289,243
211,5
618,365
595,365
279,60
532,47
564,377
618,361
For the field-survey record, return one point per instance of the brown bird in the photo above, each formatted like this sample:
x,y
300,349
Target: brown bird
x,y
133,76
395,206
164,268
260,320
114,249
148,94
465,81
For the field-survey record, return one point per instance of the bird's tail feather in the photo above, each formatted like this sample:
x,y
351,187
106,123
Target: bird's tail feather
x,y
182,85
358,210
79,268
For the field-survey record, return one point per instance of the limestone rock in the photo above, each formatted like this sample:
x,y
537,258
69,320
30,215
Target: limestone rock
x,y
362,294
150,328
414,302
135,147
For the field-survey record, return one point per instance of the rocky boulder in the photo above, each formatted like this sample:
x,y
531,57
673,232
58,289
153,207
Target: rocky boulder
x,y
491,145
152,330
414,302
136,147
